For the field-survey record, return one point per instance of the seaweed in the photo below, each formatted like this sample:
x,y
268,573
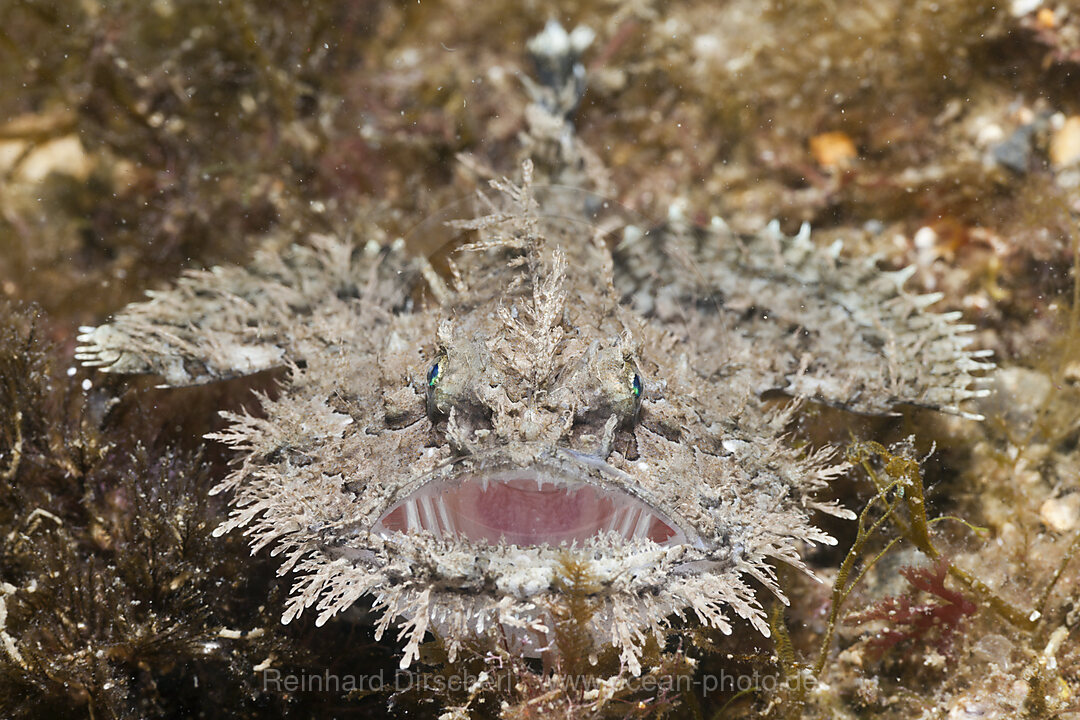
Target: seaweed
x,y
117,603
906,620
901,494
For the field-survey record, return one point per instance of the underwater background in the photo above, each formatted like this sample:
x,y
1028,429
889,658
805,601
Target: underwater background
x,y
140,139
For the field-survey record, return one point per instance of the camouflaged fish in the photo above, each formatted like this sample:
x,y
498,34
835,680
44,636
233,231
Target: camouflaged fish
x,y
445,441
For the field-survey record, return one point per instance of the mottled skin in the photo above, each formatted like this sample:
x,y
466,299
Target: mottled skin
x,y
590,351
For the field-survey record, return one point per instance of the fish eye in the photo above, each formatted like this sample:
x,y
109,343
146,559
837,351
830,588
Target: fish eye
x,y
435,373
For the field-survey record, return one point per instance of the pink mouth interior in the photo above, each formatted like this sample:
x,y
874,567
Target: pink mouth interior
x,y
524,509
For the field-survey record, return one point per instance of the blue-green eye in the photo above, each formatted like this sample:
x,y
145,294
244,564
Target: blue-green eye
x,y
434,374
635,386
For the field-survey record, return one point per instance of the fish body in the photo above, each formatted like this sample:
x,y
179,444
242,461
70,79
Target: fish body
x,y
577,387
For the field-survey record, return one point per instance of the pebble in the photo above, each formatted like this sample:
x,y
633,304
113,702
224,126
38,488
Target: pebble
x,y
1071,372
1014,152
1046,19
1061,514
1019,8
1065,143
833,149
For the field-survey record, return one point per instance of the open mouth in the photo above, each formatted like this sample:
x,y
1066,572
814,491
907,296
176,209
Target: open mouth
x,y
526,507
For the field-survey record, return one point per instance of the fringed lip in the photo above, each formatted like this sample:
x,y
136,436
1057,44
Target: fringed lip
x,y
561,499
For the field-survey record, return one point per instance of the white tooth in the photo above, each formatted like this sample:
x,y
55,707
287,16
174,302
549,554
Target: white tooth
x,y
412,517
431,522
484,484
628,522
616,518
539,484
803,238
643,525
444,517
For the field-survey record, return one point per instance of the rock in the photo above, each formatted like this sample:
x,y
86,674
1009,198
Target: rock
x,y
1017,396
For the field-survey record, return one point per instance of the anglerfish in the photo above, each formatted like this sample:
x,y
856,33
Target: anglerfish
x,y
571,385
